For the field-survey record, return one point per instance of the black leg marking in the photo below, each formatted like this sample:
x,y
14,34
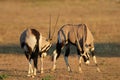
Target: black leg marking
x,y
58,49
67,52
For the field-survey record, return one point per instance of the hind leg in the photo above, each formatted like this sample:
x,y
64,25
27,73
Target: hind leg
x,y
35,66
54,60
30,68
56,54
67,52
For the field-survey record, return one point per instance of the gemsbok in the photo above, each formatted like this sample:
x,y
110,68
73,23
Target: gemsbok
x,y
34,45
80,36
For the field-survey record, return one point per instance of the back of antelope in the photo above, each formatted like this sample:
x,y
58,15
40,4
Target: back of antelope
x,y
34,44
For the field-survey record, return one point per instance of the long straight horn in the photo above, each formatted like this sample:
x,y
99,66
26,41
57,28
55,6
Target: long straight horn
x,y
49,34
77,39
55,26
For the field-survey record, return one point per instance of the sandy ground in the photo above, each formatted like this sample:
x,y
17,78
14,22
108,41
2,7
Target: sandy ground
x,y
14,66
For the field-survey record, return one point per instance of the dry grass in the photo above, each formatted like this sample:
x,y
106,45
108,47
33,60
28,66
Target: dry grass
x,y
102,17
14,66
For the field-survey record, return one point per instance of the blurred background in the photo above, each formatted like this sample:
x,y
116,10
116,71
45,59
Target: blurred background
x,y
101,16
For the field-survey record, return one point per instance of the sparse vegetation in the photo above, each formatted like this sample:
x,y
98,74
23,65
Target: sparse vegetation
x,y
3,76
48,77
101,16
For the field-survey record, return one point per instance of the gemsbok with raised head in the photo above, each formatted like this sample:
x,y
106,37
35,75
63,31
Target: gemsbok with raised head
x,y
34,45
80,36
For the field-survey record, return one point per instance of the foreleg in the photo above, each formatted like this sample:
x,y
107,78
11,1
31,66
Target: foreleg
x,y
67,52
95,60
80,60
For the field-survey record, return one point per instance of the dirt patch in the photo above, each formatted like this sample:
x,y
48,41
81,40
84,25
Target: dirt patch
x,y
15,66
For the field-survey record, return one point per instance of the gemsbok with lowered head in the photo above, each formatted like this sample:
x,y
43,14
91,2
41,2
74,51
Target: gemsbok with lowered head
x,y
78,35
34,45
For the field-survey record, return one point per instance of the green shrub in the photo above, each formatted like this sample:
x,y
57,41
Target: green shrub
x,y
3,76
48,77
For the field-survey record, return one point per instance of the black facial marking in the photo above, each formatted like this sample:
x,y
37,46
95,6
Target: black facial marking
x,y
85,58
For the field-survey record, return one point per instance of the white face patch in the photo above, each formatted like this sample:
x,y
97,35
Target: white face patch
x,y
87,62
86,49
92,49
44,54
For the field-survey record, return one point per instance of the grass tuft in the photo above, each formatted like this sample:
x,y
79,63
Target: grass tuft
x,y
48,77
3,76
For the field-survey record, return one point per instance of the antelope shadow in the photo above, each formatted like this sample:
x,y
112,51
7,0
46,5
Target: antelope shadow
x,y
10,48
102,49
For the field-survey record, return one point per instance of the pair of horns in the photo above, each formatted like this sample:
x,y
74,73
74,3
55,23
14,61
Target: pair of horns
x,y
49,34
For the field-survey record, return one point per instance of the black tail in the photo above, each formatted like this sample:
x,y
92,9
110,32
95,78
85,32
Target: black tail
x,y
22,44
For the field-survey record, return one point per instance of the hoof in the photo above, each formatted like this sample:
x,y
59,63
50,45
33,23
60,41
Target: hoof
x,y
33,76
70,71
53,69
80,71
28,75
41,72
